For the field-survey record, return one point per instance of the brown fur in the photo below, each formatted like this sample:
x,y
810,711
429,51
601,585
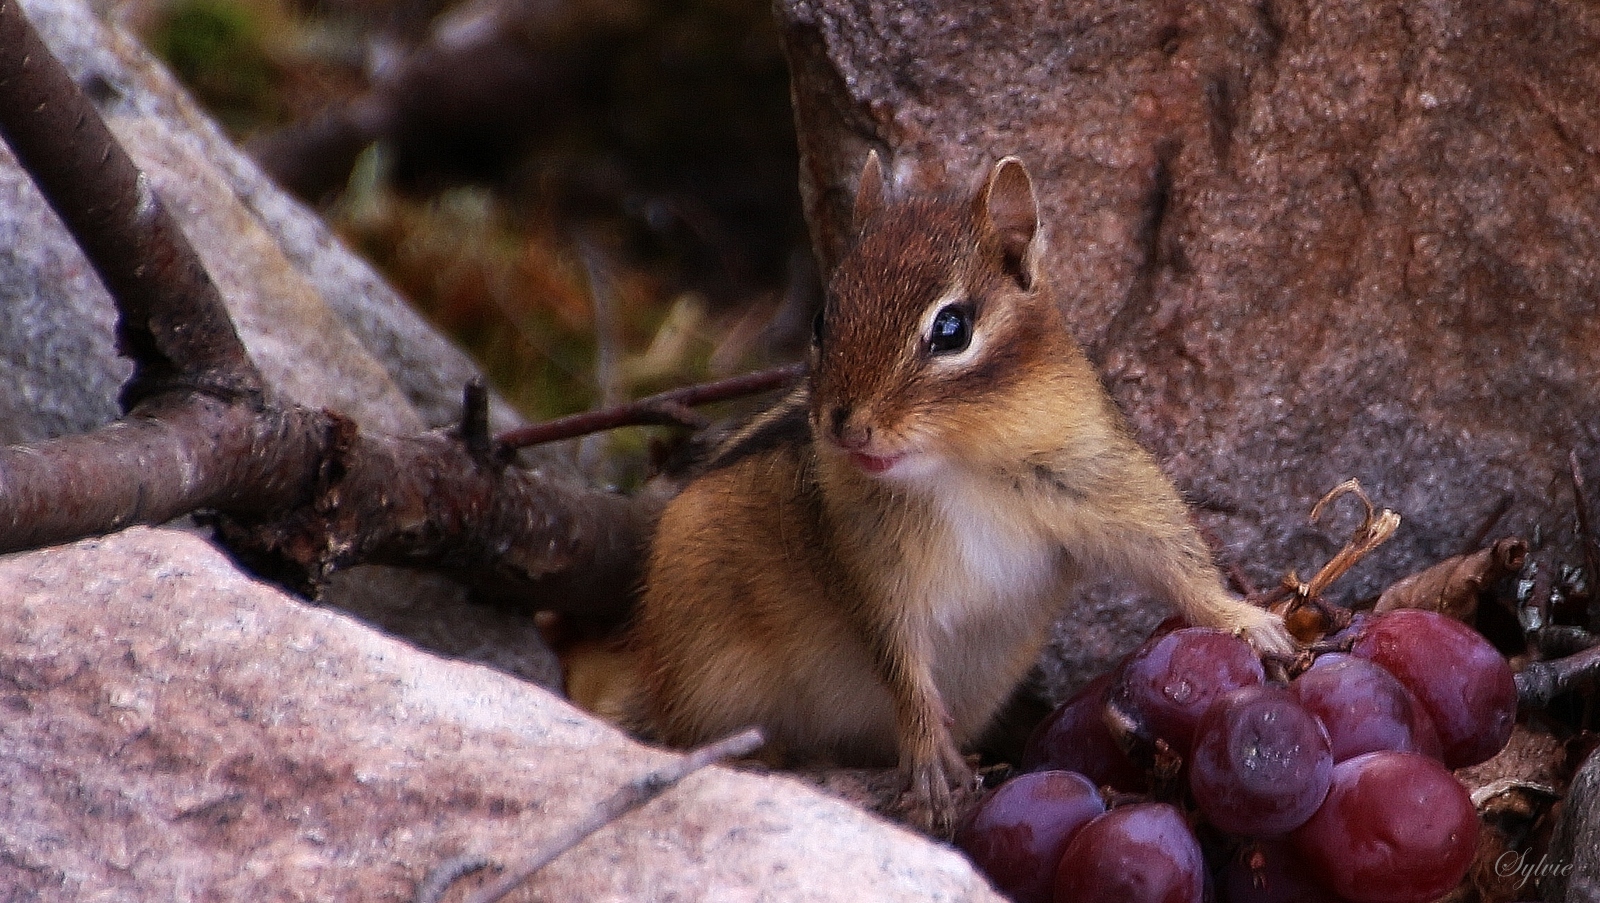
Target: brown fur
x,y
869,618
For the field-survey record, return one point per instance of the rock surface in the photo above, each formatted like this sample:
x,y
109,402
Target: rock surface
x,y
1304,241
174,730
1571,871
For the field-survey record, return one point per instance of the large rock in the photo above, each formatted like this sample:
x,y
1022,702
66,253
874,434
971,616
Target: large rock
x,y
174,730
1304,241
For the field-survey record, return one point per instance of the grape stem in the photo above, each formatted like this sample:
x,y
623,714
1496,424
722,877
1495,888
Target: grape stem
x,y
1376,527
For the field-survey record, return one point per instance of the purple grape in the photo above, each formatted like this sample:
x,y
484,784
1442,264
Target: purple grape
x,y
1463,682
1396,828
1075,737
1363,706
1143,853
1261,762
1168,683
1423,731
1019,831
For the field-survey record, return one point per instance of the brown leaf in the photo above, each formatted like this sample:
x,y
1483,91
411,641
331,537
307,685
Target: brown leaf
x,y
1451,587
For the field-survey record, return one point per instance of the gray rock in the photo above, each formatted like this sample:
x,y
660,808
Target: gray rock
x,y
1574,857
1304,241
284,275
175,730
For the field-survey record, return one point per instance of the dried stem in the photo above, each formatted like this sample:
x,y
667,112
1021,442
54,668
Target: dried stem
x,y
627,798
1376,527
665,409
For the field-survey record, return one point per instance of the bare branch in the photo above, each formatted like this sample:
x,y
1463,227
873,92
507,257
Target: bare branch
x,y
167,461
519,537
172,321
664,409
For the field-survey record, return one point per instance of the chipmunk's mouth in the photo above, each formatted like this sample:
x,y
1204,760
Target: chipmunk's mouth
x,y
874,463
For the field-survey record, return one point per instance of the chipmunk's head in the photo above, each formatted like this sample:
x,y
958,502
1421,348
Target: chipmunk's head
x,y
935,322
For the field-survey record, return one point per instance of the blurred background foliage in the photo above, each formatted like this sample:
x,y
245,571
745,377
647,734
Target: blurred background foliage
x,y
597,198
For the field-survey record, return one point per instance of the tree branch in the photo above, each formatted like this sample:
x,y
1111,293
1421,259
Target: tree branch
x,y
172,320
298,492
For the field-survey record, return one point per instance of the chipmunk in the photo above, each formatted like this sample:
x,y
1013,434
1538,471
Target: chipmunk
x,y
868,571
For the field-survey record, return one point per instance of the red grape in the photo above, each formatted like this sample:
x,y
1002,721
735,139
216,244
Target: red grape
x,y
1260,764
1463,682
1423,731
1396,828
1018,833
1075,737
1143,853
1166,685
1272,872
1363,706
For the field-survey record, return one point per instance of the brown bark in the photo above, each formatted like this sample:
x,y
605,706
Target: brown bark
x,y
172,321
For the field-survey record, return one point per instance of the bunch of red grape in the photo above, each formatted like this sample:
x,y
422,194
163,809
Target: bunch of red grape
x,y
1336,787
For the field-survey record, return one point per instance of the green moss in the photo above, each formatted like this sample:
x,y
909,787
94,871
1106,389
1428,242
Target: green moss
x,y
220,49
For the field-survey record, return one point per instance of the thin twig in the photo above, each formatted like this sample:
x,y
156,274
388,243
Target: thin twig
x,y
446,873
627,798
475,421
656,410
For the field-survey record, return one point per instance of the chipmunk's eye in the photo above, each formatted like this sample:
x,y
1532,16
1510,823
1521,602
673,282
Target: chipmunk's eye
x,y
952,329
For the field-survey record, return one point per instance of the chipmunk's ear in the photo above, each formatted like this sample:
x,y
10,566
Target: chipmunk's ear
x,y
1008,205
869,193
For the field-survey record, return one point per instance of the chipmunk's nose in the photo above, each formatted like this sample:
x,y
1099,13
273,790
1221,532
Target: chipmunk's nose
x,y
849,432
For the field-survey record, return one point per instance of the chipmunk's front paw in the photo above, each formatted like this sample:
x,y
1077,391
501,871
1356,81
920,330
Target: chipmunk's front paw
x,y
1265,630
930,803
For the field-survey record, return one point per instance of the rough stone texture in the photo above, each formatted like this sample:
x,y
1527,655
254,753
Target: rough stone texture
x,y
270,254
175,731
1575,848
1304,241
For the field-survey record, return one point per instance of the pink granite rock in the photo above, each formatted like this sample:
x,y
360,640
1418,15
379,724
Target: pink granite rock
x,y
171,729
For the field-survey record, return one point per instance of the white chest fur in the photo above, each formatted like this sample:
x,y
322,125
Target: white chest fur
x,y
985,589
987,552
